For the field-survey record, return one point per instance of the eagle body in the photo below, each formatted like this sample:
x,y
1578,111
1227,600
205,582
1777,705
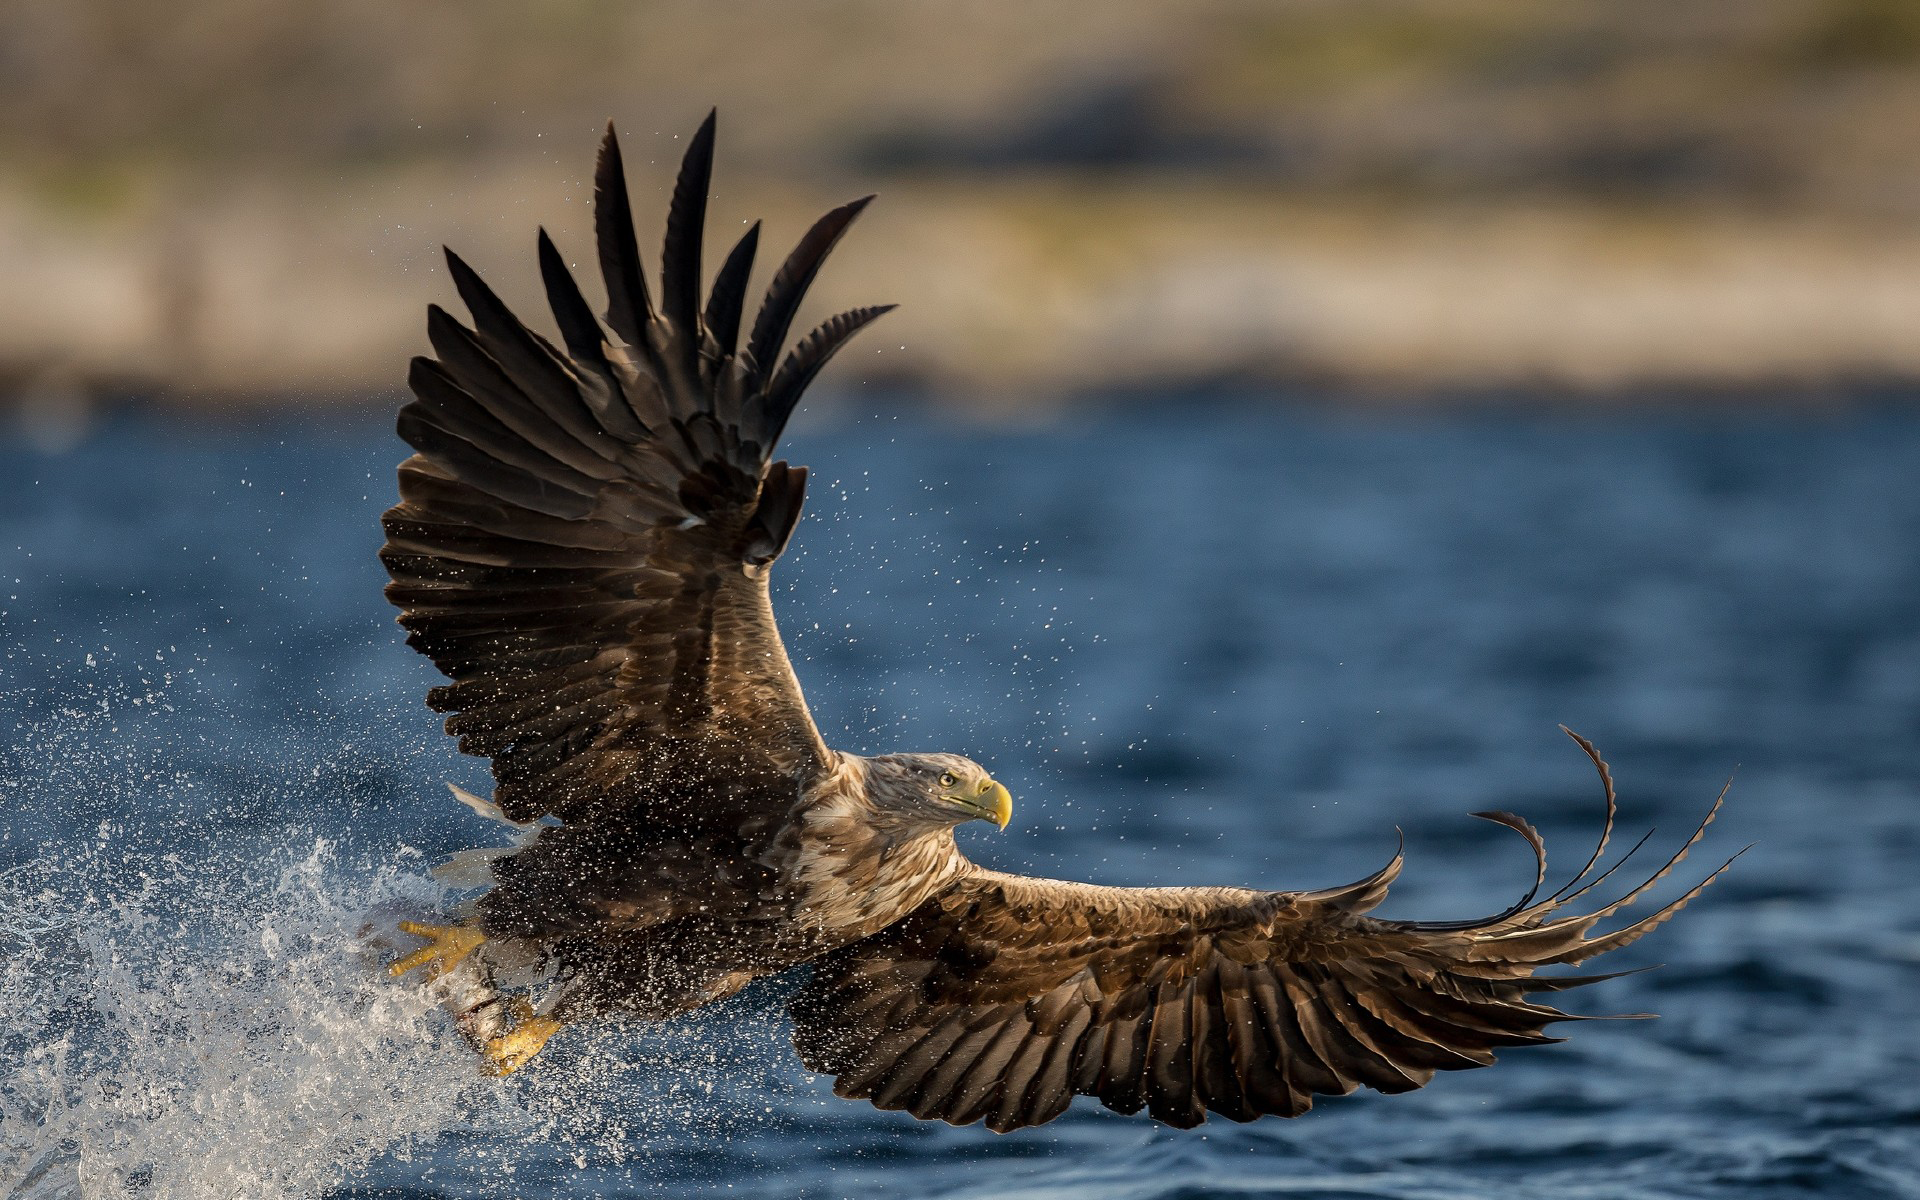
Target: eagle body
x,y
583,545
652,920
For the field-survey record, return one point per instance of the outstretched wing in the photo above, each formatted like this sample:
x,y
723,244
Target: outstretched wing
x,y
1004,997
584,537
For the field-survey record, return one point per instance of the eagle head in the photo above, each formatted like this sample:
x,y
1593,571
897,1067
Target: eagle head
x,y
936,790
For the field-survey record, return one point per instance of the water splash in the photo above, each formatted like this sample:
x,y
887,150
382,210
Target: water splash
x,y
193,1001
211,1028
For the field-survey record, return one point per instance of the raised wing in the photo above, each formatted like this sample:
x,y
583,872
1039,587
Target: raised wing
x,y
584,537
1004,997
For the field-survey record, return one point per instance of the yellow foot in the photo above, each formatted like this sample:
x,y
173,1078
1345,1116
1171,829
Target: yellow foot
x,y
515,1048
447,946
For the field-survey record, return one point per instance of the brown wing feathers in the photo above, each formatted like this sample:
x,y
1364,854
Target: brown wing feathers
x,y
729,294
582,546
1003,998
582,534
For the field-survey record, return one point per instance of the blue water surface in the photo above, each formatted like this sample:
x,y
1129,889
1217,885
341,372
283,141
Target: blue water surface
x,y
1201,643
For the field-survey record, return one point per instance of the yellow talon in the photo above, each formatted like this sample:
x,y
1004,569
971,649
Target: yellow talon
x,y
447,946
514,1049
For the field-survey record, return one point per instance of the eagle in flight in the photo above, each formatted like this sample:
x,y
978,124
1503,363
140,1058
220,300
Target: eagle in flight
x,y
583,546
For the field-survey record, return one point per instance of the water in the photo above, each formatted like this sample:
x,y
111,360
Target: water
x,y
1215,644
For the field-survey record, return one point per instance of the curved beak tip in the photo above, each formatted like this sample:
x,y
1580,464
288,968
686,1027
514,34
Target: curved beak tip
x,y
1001,802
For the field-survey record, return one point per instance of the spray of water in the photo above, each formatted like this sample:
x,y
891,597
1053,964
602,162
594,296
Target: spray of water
x,y
193,995
211,1029
225,1027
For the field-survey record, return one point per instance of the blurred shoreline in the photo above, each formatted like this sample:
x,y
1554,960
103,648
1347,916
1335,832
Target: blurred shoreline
x,y
225,204
1013,292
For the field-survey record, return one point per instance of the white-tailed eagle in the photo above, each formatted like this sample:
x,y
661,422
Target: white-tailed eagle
x,y
583,545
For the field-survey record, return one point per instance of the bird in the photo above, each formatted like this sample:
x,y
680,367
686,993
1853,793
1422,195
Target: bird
x,y
583,544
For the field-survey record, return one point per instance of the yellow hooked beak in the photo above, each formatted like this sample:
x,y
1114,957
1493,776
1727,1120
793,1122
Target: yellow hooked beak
x,y
990,802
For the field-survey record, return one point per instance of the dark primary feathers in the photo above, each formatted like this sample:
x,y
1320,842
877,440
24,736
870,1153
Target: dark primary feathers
x,y
1004,997
582,536
582,546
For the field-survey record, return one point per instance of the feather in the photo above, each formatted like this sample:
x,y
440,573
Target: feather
x,y
801,366
528,359
466,364
790,285
629,310
680,257
578,329
1539,848
726,303
1613,808
469,868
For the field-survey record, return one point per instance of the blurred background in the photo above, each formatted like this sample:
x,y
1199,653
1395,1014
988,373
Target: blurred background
x,y
1295,410
229,202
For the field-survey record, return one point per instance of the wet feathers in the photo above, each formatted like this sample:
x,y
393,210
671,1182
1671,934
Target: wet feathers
x,y
583,546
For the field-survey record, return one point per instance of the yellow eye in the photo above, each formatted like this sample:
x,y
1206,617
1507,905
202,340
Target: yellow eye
x,y
948,781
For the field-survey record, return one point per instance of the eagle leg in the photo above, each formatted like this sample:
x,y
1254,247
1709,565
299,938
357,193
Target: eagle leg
x,y
447,946
516,1048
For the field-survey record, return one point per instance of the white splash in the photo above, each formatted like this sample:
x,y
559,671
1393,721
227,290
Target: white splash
x,y
193,1000
212,1029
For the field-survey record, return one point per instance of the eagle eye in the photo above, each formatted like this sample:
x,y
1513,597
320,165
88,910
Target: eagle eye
x,y
947,780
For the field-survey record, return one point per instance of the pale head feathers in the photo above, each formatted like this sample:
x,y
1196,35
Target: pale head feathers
x,y
914,793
